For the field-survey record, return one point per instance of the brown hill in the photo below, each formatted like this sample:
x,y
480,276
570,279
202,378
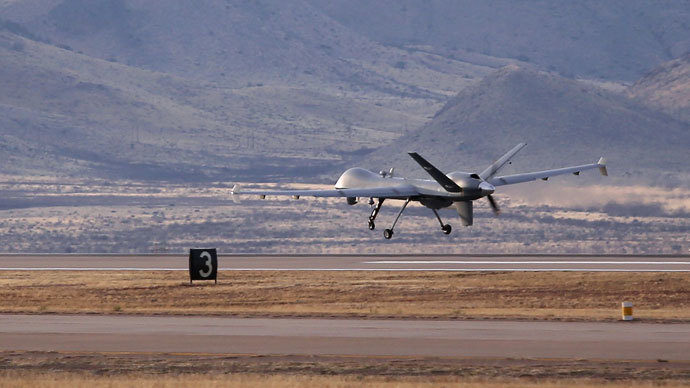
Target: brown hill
x,y
613,39
259,88
234,43
146,90
563,121
667,87
66,113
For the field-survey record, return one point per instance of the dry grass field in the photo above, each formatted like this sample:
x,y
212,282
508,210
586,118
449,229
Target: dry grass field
x,y
663,297
660,297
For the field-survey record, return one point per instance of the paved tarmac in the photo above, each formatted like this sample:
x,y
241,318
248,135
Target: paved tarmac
x,y
680,263
224,335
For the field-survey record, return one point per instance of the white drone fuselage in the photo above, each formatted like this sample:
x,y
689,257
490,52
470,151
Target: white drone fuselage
x,y
473,187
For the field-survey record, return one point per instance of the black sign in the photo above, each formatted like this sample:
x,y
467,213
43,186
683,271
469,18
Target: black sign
x,y
203,264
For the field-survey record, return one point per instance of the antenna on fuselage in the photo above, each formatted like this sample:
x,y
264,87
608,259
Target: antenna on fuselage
x,y
388,173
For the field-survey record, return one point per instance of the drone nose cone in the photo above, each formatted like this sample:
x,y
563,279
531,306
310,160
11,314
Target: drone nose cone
x,y
486,188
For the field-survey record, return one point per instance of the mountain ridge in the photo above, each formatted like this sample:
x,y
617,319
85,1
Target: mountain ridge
x,y
273,90
613,40
564,122
666,87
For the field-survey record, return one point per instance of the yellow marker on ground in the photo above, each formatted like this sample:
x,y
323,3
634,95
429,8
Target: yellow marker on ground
x,y
627,311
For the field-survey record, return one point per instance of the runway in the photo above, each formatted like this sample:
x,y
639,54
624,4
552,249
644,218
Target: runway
x,y
223,335
179,262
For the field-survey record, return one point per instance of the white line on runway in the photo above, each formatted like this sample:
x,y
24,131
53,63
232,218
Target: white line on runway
x,y
355,269
90,269
463,269
521,262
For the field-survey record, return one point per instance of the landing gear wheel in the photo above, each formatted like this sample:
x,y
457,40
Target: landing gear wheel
x,y
387,234
372,225
447,228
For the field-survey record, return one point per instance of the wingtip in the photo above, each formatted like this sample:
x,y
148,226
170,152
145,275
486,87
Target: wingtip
x,y
602,166
234,193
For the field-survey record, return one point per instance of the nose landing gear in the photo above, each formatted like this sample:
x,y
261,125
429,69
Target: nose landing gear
x,y
374,212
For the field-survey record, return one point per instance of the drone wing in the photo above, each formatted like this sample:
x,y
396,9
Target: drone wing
x,y
435,173
401,191
546,174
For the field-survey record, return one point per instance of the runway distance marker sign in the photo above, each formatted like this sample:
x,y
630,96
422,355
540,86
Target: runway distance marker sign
x,y
203,264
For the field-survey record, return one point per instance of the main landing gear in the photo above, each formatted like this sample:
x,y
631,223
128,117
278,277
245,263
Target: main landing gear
x,y
388,233
446,228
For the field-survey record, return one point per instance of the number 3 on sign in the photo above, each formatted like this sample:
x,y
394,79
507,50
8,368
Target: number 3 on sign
x,y
209,265
203,264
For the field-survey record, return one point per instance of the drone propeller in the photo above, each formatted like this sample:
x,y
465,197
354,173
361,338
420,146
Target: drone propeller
x,y
493,204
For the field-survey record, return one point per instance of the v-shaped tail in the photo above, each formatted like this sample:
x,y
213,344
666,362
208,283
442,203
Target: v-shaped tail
x,y
497,165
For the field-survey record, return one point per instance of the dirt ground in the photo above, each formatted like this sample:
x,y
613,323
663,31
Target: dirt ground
x,y
657,297
161,370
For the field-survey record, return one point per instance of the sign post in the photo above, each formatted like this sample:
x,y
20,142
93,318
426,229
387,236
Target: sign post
x,y
203,265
